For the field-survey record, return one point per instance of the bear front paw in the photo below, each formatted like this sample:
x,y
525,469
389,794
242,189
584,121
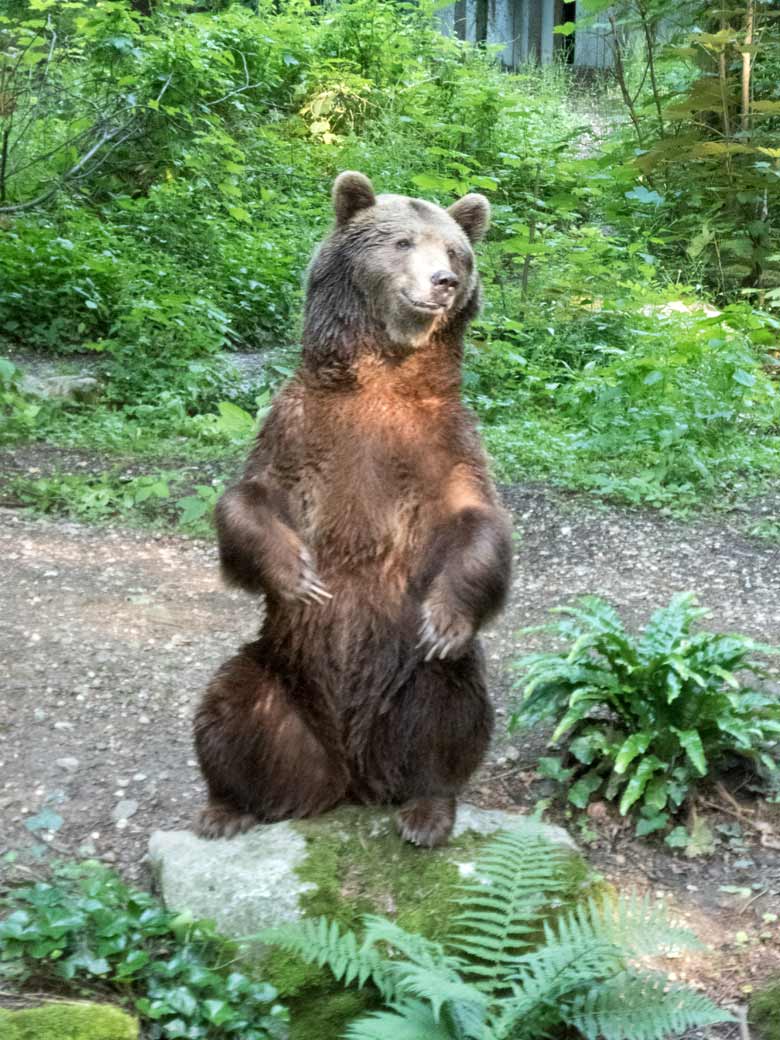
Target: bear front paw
x,y
309,587
444,630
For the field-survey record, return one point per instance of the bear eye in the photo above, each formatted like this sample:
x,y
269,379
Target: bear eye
x,y
452,254
404,243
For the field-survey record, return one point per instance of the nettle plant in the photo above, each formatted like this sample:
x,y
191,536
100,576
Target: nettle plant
x,y
643,719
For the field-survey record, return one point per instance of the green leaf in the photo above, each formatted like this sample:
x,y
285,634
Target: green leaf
x,y
581,792
645,196
638,782
744,378
234,421
551,768
690,741
633,746
649,824
678,838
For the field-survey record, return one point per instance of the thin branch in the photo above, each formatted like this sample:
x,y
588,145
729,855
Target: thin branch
x,y
19,207
747,63
620,75
650,42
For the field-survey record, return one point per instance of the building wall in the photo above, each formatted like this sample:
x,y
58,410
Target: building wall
x,y
525,28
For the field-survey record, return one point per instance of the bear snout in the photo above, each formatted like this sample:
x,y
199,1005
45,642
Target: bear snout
x,y
445,280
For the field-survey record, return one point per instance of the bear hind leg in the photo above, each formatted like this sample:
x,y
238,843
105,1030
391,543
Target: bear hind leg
x,y
261,759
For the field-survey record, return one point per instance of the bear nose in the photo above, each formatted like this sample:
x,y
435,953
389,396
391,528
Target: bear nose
x,y
445,278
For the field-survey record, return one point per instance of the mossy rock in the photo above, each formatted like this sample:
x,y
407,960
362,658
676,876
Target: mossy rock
x,y
764,1013
68,1021
343,865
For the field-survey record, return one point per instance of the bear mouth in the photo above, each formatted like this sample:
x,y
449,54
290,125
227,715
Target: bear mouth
x,y
428,306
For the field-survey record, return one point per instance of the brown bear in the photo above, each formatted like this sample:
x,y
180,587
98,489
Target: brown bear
x,y
367,517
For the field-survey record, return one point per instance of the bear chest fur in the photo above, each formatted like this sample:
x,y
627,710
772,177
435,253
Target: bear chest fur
x,y
371,486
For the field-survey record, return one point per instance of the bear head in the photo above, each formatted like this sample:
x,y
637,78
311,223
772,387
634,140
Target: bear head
x,y
393,273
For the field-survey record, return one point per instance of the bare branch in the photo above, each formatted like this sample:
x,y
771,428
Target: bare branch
x,y
19,207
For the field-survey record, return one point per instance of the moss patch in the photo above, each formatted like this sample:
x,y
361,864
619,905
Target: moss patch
x,y
67,1021
765,1012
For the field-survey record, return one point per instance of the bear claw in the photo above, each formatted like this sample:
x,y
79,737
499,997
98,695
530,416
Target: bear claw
x,y
310,587
218,821
427,822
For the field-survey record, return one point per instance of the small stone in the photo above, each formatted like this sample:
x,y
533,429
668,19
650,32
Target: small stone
x,y
69,764
124,810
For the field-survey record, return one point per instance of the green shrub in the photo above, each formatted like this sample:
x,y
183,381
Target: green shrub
x,y
645,718
87,928
20,413
530,956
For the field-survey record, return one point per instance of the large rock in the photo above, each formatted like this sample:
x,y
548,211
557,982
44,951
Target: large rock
x,y
68,1021
72,388
283,871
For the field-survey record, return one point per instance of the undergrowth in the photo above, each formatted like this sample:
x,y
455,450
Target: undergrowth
x,y
594,364
526,958
644,720
86,928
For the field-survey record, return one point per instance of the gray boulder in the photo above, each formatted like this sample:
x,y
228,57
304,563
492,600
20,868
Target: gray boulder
x,y
73,388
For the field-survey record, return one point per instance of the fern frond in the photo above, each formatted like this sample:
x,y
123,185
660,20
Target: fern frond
x,y
420,967
636,924
319,941
639,1007
517,877
409,1021
667,626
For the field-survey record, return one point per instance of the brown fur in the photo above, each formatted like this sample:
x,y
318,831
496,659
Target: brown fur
x,y
367,484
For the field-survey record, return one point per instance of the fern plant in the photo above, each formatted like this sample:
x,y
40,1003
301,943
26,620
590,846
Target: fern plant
x,y
522,961
645,718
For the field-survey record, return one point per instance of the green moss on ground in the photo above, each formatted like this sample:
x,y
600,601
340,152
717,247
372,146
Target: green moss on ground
x,y
68,1021
764,1013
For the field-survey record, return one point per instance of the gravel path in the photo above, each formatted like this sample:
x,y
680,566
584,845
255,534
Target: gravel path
x,y
109,636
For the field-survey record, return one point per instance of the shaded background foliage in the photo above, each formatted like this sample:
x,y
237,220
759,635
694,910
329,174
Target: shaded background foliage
x,y
166,171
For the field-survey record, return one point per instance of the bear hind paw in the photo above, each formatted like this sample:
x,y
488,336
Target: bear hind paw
x,y
426,822
219,820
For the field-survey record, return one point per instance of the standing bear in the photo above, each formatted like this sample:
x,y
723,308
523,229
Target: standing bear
x,y
367,517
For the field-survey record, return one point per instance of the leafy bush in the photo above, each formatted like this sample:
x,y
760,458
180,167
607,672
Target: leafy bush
x,y
19,413
88,928
94,498
646,718
520,963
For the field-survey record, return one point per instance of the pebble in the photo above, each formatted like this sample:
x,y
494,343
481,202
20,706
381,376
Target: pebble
x,y
124,810
69,764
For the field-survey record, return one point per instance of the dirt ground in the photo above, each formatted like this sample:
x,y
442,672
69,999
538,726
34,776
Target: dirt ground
x,y
108,637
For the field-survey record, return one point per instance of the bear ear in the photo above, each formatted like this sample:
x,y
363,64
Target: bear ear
x,y
351,193
472,212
